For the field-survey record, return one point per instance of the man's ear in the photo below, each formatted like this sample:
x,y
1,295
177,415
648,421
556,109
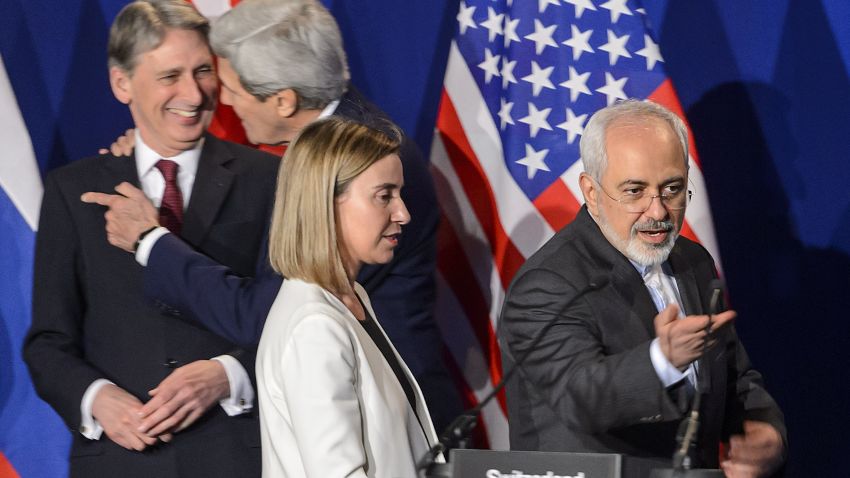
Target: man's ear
x,y
590,191
122,88
286,102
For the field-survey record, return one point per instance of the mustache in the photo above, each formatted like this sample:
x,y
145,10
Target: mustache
x,y
652,225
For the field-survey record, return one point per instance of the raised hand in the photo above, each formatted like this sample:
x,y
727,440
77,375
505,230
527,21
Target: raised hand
x,y
683,340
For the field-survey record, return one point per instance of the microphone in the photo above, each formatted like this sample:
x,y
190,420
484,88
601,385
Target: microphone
x,y
459,429
715,286
686,436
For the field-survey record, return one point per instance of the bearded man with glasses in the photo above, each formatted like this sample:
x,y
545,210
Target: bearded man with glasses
x,y
616,370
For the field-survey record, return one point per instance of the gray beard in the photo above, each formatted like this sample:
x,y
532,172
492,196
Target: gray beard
x,y
647,255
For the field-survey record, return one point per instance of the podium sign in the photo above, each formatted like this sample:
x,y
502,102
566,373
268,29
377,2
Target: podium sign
x,y
533,464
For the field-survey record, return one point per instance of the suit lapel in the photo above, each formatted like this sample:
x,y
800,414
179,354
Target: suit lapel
x,y
625,279
686,283
628,283
118,169
113,171
212,185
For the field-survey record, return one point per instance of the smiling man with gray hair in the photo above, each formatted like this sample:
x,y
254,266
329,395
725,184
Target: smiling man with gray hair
x,y
616,369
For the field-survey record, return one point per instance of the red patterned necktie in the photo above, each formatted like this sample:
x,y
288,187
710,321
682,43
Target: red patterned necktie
x,y
171,208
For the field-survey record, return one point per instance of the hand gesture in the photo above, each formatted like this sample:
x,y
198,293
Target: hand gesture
x,y
683,340
130,213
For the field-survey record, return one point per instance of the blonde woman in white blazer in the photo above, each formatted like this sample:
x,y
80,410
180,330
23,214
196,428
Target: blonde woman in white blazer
x,y
336,399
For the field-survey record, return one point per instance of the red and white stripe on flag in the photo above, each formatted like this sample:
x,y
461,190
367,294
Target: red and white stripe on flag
x,y
521,82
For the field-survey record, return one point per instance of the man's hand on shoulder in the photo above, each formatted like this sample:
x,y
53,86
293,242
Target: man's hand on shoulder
x,y
757,453
118,413
129,214
123,146
682,340
184,396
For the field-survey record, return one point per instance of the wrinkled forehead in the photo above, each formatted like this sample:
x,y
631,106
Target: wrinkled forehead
x,y
641,124
643,146
173,44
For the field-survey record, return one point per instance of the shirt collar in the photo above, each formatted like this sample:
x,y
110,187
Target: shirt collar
x,y
329,109
146,158
644,270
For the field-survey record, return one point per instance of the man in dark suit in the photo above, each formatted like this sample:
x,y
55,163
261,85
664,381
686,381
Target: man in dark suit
x,y
282,66
97,350
616,369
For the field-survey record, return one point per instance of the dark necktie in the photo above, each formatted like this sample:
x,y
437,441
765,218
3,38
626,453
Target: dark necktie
x,y
171,208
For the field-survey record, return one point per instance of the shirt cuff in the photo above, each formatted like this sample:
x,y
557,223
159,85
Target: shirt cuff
x,y
146,244
666,371
89,427
241,399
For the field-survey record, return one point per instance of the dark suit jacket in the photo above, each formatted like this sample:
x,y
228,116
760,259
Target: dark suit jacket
x,y
402,291
590,386
91,321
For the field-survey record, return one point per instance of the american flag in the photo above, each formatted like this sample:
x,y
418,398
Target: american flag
x,y
523,78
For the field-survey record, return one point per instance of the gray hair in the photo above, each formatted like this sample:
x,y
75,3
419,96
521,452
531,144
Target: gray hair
x,y
275,45
592,144
141,26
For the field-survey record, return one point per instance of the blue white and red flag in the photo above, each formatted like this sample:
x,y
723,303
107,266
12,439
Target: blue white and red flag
x,y
20,200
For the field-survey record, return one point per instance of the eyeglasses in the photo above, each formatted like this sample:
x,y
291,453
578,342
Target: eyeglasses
x,y
637,199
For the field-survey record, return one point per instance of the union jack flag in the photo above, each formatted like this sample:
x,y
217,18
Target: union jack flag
x,y
523,78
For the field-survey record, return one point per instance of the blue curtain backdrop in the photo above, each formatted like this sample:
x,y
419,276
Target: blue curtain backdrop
x,y
764,84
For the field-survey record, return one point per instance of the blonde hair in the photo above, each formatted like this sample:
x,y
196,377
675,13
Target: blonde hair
x,y
318,167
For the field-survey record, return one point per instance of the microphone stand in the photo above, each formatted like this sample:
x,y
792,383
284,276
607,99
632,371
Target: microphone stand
x,y
456,435
687,434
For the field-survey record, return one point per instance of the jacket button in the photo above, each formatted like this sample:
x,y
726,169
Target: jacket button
x,y
170,363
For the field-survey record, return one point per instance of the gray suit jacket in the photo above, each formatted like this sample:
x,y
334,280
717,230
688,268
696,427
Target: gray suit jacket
x,y
589,385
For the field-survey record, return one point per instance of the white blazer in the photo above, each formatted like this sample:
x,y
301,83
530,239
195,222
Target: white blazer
x,y
330,405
